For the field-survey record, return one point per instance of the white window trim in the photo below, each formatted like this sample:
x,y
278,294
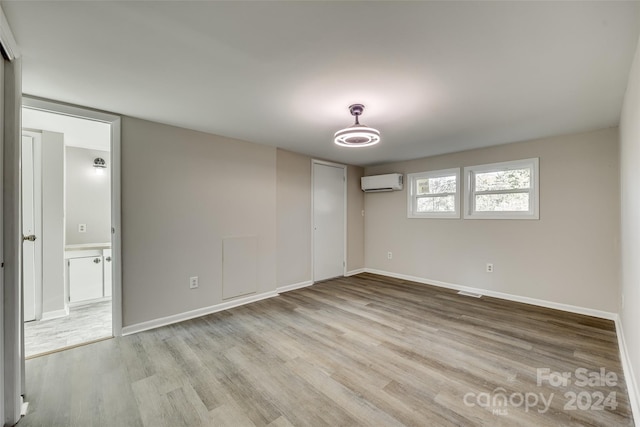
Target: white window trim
x,y
534,191
411,196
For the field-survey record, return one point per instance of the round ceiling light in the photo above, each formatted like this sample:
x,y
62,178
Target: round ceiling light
x,y
357,135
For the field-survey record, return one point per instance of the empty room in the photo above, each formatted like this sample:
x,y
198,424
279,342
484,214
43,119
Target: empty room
x,y
313,213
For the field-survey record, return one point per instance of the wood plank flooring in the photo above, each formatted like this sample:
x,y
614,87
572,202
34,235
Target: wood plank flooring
x,y
85,323
360,351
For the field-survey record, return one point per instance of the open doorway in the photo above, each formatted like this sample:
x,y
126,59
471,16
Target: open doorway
x,y
68,227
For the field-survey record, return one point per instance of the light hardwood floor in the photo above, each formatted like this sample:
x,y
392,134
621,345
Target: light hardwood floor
x,y
85,323
364,350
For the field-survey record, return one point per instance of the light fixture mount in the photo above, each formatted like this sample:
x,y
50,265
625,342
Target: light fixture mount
x,y
357,135
99,165
356,110
99,162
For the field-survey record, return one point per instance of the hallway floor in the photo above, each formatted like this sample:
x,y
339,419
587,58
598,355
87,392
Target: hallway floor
x,y
84,323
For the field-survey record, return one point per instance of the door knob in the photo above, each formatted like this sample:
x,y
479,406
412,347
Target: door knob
x,y
30,237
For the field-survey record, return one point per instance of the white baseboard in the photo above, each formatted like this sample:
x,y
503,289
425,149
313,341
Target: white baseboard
x,y
88,302
354,272
56,314
288,288
629,377
517,298
168,320
24,407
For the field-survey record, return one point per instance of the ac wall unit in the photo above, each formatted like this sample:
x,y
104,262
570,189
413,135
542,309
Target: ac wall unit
x,y
378,183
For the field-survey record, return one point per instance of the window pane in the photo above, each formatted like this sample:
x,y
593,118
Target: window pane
x,y
441,184
503,180
514,202
436,204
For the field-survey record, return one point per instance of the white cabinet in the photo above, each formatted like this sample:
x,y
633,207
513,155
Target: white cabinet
x,y
107,265
85,278
89,272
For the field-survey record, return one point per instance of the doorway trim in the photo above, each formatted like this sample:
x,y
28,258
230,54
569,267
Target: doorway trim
x,y
344,232
116,224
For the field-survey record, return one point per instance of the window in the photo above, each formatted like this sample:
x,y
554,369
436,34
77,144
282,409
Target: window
x,y
434,194
506,190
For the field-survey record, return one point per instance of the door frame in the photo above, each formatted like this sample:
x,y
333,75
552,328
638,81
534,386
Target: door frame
x,y
116,224
344,232
11,329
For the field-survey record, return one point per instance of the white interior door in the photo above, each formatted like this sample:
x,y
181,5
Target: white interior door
x,y
328,220
28,229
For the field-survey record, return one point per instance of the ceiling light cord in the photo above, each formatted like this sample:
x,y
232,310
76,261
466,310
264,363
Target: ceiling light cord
x,y
357,114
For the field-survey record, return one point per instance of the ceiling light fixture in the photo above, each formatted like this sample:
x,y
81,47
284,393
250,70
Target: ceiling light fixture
x,y
357,135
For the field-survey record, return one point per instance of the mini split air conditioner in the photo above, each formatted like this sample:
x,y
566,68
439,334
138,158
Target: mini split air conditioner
x,y
379,183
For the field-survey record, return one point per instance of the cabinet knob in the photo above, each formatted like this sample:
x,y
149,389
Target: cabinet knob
x,y
108,259
96,260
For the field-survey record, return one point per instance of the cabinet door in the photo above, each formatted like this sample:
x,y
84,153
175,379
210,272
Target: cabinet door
x,y
85,278
107,266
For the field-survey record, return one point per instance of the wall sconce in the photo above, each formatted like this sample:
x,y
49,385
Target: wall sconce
x,y
99,165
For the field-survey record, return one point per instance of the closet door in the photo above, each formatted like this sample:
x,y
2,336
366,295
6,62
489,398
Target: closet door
x,y
328,221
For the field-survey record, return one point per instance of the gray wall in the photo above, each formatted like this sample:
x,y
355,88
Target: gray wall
x,y
183,192
293,194
88,197
355,219
630,209
569,256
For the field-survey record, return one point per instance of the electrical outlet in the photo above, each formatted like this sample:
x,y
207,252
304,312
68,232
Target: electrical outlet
x,y
489,268
389,255
193,282
82,228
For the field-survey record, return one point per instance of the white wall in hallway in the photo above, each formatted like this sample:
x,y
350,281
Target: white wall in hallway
x,y
88,197
53,288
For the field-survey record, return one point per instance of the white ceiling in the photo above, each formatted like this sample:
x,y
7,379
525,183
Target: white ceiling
x,y
77,132
435,77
